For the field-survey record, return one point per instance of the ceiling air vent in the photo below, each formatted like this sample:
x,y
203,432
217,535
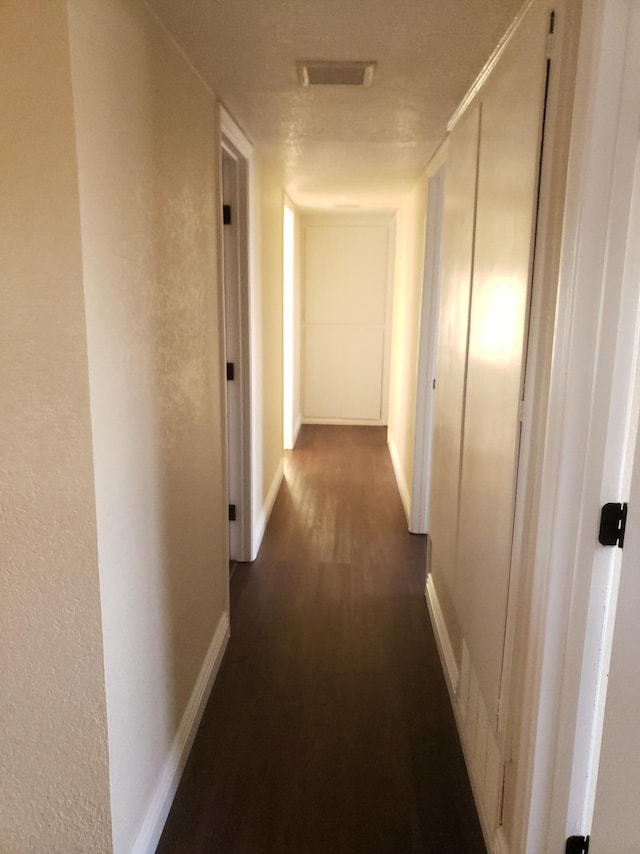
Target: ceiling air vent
x,y
323,73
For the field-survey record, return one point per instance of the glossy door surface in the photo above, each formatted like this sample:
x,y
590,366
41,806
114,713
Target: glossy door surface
x,y
508,175
453,326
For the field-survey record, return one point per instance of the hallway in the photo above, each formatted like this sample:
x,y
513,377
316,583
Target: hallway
x,y
329,730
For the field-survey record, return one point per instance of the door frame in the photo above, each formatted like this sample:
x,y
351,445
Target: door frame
x,y
235,147
427,346
615,734
579,470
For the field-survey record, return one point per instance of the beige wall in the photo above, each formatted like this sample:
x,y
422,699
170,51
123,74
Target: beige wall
x,y
407,301
297,325
267,343
147,161
54,785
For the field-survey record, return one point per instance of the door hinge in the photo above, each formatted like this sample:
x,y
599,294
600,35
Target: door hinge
x,y
613,524
226,214
577,845
231,371
232,512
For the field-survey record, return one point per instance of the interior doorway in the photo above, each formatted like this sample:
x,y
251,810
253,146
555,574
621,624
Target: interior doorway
x,y
235,269
421,483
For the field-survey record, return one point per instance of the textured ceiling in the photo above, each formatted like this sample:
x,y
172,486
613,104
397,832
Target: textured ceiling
x,y
338,145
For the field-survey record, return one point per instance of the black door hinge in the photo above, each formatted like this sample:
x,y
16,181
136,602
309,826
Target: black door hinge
x,y
232,512
226,214
231,371
613,523
577,845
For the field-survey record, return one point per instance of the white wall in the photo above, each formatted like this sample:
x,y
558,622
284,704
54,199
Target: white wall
x,y
54,784
147,165
292,320
267,351
405,338
297,328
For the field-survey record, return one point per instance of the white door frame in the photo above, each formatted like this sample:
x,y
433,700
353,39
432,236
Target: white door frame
x,y
235,147
427,346
614,799
290,378
580,470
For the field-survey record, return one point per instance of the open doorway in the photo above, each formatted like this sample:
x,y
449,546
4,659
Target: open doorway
x,y
290,331
421,484
235,250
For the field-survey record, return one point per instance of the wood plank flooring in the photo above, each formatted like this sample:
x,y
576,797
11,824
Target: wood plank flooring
x,y
329,729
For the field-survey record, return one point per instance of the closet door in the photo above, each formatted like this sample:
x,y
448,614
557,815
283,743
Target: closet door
x,y
513,100
451,358
345,293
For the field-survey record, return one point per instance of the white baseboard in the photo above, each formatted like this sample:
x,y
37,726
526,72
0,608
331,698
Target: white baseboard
x,y
296,429
403,489
265,512
443,642
346,422
479,745
160,804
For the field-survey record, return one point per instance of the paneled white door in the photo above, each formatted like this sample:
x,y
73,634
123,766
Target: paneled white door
x,y
491,194
345,308
511,126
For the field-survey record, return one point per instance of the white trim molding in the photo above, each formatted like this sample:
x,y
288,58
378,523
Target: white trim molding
x,y
403,489
234,133
447,655
296,429
265,511
236,145
475,727
560,708
427,348
167,786
488,67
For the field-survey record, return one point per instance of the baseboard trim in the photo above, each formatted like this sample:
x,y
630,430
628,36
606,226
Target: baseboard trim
x,y
479,747
160,804
443,641
265,512
296,429
346,422
403,489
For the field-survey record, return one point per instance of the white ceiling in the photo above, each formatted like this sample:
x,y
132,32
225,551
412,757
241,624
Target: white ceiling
x,y
341,145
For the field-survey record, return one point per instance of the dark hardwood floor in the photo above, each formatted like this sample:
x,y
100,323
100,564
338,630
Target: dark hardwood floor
x,y
329,729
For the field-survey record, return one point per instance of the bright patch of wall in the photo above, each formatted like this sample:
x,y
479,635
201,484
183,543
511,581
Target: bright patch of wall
x,y
407,301
267,342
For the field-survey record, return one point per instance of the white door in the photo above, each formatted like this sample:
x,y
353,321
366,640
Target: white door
x,y
347,266
231,268
489,225
616,819
512,109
